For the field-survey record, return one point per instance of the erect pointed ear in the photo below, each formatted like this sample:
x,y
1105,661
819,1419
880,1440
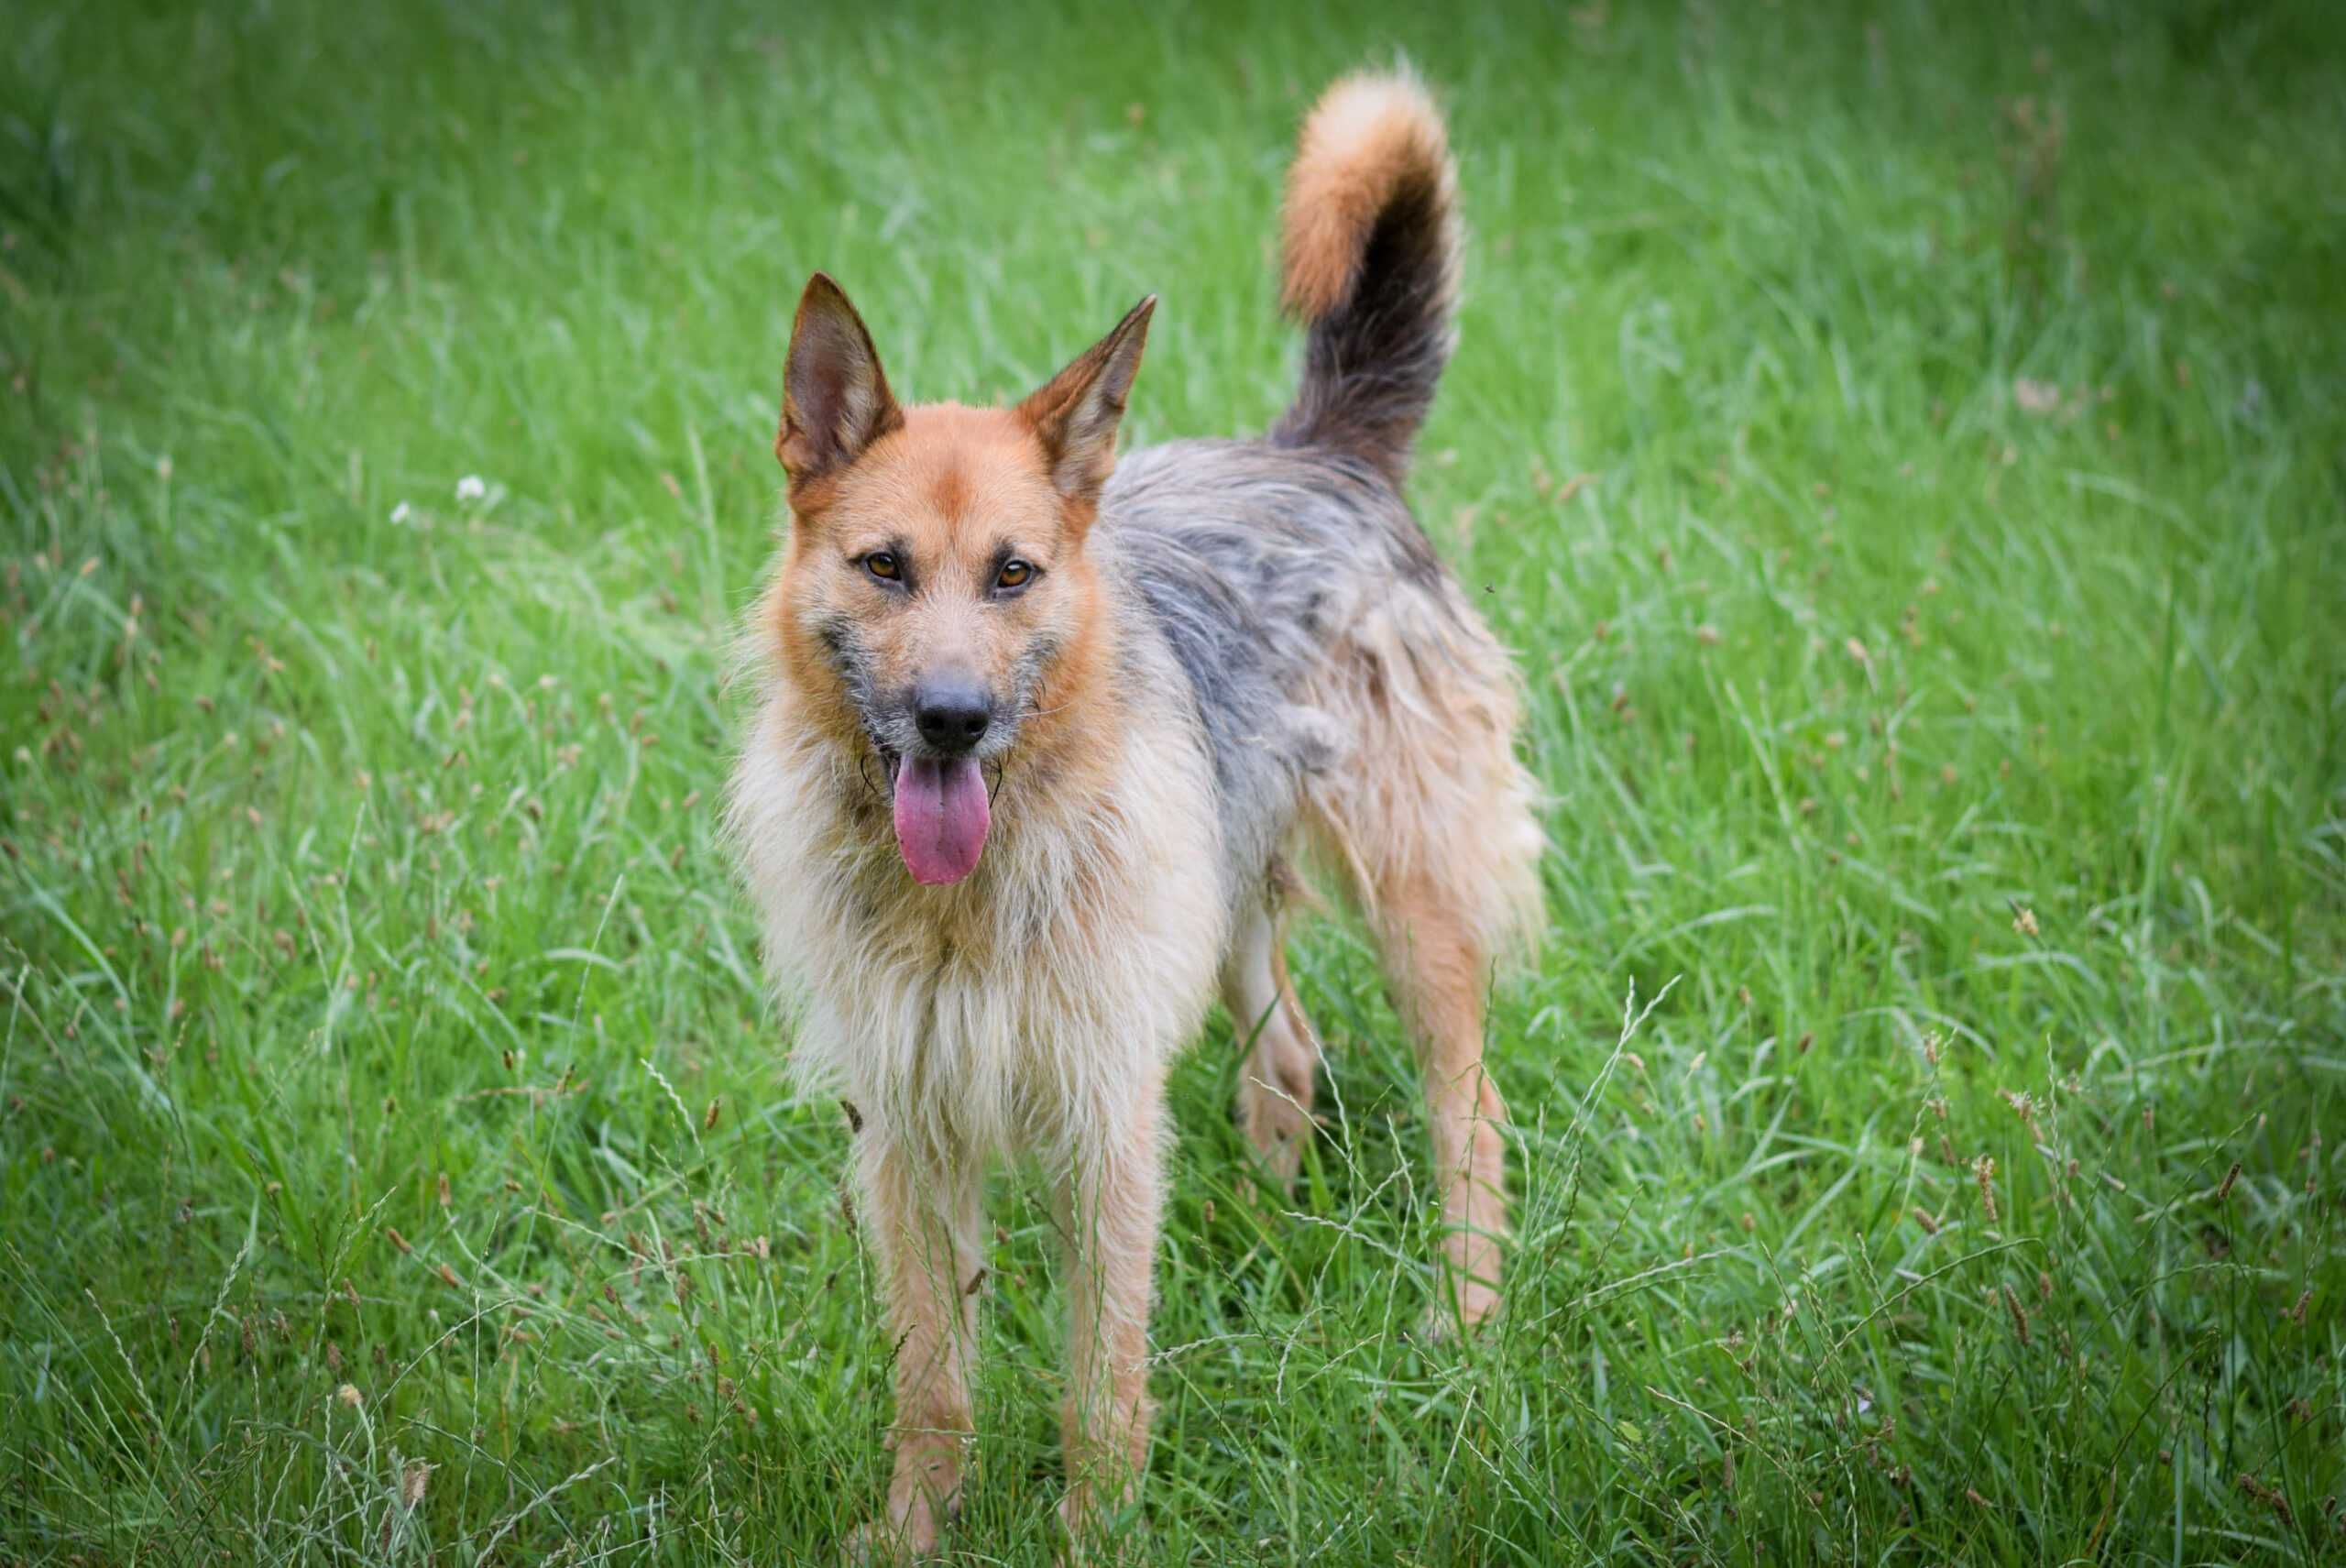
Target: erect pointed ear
x,y
835,398
1075,413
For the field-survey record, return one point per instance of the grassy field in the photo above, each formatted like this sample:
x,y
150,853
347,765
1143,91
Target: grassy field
x,y
1909,451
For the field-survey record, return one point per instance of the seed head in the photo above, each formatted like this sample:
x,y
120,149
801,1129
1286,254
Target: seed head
x,y
2020,1313
2268,1495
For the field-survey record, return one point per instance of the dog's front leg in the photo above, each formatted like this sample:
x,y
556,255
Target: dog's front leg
x,y
1109,1203
923,1216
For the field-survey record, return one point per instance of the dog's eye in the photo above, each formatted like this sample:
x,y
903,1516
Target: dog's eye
x,y
884,566
1013,574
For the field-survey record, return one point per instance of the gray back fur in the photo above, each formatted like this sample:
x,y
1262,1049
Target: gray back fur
x,y
1252,562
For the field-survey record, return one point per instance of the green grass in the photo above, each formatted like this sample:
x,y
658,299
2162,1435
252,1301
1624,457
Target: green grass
x,y
1909,451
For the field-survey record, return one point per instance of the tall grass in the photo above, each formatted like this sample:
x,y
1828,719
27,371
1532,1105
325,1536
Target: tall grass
x,y
1907,448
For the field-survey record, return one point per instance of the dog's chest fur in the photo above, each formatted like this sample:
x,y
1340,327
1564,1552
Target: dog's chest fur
x,y
997,1014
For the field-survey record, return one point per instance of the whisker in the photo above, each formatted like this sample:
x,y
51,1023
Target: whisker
x,y
1046,712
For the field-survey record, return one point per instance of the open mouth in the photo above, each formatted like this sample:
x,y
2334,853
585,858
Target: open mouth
x,y
942,814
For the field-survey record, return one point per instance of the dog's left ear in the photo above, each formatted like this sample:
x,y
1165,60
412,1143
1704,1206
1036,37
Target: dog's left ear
x,y
1075,413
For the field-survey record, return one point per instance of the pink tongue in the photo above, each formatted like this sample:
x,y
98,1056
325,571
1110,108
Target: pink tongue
x,y
941,817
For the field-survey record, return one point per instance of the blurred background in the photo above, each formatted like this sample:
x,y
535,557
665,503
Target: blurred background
x,y
1905,444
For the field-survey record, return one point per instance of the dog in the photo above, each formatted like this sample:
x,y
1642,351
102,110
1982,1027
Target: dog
x,y
1041,741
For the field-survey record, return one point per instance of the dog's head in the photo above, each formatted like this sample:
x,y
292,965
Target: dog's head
x,y
936,602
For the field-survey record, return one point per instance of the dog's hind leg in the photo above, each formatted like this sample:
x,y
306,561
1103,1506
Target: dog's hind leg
x,y
1438,970
923,1219
1437,834
1274,1086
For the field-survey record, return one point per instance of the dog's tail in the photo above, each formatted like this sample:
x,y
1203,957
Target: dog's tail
x,y
1371,238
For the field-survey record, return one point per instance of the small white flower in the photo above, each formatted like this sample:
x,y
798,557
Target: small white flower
x,y
399,513
2037,396
471,487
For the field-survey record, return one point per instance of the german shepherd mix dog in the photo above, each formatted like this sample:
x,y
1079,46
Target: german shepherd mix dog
x,y
1039,736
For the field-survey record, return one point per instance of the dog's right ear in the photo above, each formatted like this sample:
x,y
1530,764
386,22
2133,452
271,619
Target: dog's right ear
x,y
835,398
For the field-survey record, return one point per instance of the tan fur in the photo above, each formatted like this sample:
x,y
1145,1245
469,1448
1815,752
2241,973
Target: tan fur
x,y
1033,1009
928,1228
1367,136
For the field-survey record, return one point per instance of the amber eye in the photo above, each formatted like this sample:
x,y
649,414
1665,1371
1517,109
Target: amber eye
x,y
883,565
1013,574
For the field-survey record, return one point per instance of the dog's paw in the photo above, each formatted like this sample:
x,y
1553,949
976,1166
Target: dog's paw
x,y
1276,1128
906,1533
1458,1313
1091,1537
876,1543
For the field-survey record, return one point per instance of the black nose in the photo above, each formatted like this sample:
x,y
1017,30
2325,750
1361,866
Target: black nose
x,y
952,714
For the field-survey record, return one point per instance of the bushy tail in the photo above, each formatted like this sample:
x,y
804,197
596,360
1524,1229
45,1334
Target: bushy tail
x,y
1371,239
